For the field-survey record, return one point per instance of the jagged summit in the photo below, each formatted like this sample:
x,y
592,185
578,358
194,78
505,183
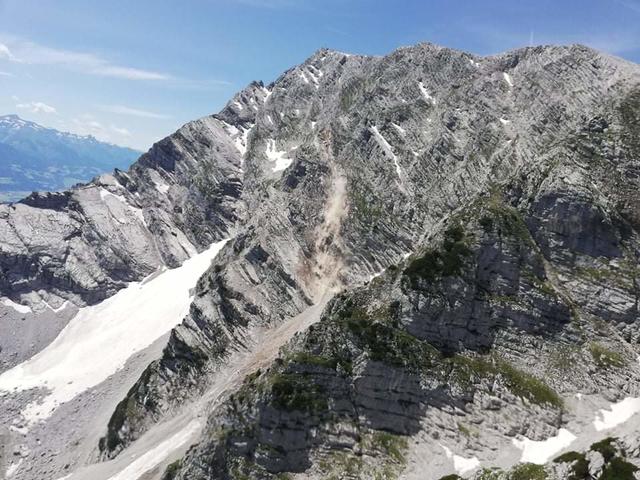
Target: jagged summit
x,y
413,253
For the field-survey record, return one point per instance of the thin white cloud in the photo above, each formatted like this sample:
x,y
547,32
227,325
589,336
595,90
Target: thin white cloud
x,y
6,74
20,51
37,107
88,63
121,131
128,73
5,53
133,112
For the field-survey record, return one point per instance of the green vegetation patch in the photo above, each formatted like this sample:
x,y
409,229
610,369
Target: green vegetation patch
x,y
391,445
379,334
604,357
388,450
579,467
528,471
490,474
172,470
464,430
618,469
605,447
316,360
444,262
520,383
297,392
499,215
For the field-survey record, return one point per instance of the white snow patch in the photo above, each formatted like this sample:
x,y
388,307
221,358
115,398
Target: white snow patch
x,y
156,455
619,413
20,430
277,156
104,194
239,135
267,94
504,121
238,105
474,63
461,465
270,119
304,77
318,72
7,302
232,130
425,93
313,124
400,130
162,187
243,142
314,79
539,452
507,78
97,342
13,468
386,147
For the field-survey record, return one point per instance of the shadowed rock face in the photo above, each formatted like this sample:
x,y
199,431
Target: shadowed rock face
x,y
510,180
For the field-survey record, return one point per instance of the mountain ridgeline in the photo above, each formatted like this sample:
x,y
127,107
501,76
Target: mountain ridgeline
x,y
35,158
433,258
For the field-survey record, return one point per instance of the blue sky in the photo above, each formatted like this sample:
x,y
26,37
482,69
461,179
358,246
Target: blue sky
x,y
131,72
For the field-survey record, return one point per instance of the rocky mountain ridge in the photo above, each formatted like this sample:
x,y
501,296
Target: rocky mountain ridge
x,y
489,206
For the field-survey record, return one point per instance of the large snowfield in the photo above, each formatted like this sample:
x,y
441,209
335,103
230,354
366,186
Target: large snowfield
x,y
100,338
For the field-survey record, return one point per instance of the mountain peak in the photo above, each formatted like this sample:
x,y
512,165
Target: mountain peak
x,y
423,249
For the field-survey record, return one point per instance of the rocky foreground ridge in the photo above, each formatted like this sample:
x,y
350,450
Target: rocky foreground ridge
x,y
469,227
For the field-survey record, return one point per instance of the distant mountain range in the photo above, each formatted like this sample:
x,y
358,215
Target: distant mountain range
x,y
33,157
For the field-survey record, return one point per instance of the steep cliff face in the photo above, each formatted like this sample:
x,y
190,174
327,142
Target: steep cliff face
x,y
389,147
455,346
470,223
85,244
